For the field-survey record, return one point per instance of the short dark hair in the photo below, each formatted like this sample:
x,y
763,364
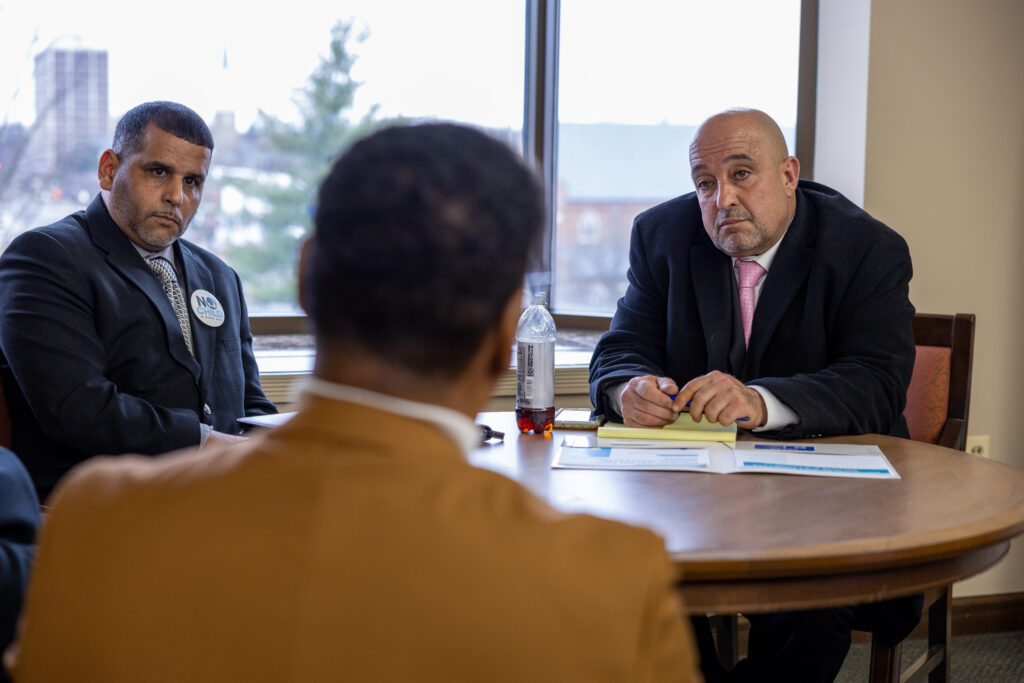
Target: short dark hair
x,y
170,117
423,232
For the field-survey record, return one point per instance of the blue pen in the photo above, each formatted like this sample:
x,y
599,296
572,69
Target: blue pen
x,y
738,419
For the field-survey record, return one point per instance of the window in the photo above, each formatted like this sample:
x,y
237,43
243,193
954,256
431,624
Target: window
x,y
284,89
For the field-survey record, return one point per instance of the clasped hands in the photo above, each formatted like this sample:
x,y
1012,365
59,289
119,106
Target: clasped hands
x,y
646,401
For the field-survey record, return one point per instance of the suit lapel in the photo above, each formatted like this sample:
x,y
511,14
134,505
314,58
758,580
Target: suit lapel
x,y
713,286
204,337
787,276
124,259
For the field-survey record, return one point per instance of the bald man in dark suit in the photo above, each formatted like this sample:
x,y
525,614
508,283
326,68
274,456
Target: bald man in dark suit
x,y
817,342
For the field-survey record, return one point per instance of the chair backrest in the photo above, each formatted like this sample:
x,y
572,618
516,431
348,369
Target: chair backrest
x,y
939,397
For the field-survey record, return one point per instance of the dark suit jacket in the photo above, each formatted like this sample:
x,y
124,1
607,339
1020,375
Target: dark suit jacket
x,y
831,335
93,359
19,520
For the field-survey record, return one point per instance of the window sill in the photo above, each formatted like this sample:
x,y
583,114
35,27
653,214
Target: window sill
x,y
285,361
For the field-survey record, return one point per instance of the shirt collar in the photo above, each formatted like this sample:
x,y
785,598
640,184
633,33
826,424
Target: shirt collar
x,y
167,252
459,428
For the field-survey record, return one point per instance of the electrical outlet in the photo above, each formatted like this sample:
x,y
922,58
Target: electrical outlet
x,y
978,445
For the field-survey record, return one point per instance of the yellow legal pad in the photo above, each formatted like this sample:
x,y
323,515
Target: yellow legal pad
x,y
683,429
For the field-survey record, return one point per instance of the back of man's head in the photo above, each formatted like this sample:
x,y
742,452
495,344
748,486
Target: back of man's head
x,y
170,117
423,233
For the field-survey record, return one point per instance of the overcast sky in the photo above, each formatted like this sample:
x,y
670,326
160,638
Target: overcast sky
x,y
664,61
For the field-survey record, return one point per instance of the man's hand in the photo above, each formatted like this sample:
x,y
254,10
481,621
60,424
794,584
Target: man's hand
x,y
723,399
645,401
222,438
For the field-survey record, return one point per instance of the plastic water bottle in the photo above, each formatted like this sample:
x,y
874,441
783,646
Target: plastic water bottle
x,y
535,368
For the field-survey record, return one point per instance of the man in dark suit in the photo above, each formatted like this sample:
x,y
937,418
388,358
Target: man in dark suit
x,y
117,336
817,340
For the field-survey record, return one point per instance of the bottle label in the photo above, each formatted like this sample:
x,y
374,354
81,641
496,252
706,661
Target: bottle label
x,y
535,374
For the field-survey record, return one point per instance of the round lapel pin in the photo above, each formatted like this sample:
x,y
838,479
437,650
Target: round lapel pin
x,y
207,308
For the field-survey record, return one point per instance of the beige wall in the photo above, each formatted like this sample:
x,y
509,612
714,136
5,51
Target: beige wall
x,y
945,167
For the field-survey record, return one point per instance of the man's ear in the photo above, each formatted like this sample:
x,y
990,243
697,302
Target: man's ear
x,y
790,170
109,163
305,252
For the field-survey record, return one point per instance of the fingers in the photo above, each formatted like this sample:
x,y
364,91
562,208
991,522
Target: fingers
x,y
723,399
667,385
221,437
645,401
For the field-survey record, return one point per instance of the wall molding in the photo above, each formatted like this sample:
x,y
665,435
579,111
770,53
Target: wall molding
x,y
997,613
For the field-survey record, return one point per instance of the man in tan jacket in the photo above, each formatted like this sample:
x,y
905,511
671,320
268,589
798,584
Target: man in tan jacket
x,y
355,542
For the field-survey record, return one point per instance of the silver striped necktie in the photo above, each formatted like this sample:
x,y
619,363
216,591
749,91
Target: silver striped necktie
x,y
164,272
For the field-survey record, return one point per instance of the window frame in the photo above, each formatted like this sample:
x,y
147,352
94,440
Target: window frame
x,y
540,137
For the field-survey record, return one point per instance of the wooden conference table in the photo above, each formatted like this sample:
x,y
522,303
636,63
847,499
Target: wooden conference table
x,y
769,542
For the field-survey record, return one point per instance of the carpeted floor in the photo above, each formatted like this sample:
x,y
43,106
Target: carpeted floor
x,y
988,658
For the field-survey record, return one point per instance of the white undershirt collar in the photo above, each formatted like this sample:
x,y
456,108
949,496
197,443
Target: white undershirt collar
x,y
463,431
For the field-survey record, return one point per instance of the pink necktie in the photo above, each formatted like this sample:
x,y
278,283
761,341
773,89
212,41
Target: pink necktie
x,y
750,273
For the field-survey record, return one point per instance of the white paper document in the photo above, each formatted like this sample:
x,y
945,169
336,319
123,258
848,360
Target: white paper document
x,y
819,460
272,420
661,458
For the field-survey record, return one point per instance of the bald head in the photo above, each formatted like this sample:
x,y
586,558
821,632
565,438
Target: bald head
x,y
754,123
745,181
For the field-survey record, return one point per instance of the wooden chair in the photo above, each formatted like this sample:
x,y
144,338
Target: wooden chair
x,y
938,403
939,397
